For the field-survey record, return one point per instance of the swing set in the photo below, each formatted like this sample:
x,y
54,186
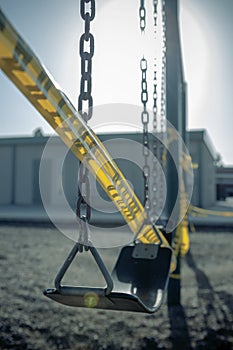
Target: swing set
x,y
140,277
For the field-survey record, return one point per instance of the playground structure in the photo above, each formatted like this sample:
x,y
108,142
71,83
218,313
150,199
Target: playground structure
x,y
151,250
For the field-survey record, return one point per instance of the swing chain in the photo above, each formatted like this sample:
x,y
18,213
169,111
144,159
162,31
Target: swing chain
x,y
155,81
163,125
163,72
83,208
145,123
155,170
86,51
142,15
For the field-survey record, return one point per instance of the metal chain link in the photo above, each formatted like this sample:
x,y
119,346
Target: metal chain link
x,y
153,174
155,94
83,208
145,123
163,94
142,15
155,184
86,50
163,71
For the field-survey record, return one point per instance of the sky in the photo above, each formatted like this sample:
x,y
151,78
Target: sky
x,y
52,28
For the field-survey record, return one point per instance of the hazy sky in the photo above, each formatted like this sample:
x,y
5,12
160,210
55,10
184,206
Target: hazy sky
x,y
52,29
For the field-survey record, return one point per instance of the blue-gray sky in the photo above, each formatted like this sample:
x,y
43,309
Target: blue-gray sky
x,y
52,28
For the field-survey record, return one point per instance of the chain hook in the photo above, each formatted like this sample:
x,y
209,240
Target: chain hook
x,y
83,240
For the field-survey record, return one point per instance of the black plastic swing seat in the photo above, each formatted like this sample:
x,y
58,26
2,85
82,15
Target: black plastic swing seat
x,y
140,278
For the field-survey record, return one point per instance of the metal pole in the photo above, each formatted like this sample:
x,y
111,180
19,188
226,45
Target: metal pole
x,y
175,104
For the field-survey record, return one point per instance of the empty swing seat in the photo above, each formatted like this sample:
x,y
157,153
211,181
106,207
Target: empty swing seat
x,y
138,281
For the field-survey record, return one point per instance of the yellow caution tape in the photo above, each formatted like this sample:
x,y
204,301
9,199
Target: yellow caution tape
x,y
172,136
196,211
186,163
183,226
192,227
181,243
24,69
184,239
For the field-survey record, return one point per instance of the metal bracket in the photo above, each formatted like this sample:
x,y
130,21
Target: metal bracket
x,y
145,251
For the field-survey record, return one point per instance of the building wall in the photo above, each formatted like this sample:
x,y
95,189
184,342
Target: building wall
x,y
32,168
194,149
224,182
203,155
27,160
6,174
208,187
19,175
21,161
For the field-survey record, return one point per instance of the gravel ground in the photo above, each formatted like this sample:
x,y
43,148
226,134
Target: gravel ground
x,y
30,258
